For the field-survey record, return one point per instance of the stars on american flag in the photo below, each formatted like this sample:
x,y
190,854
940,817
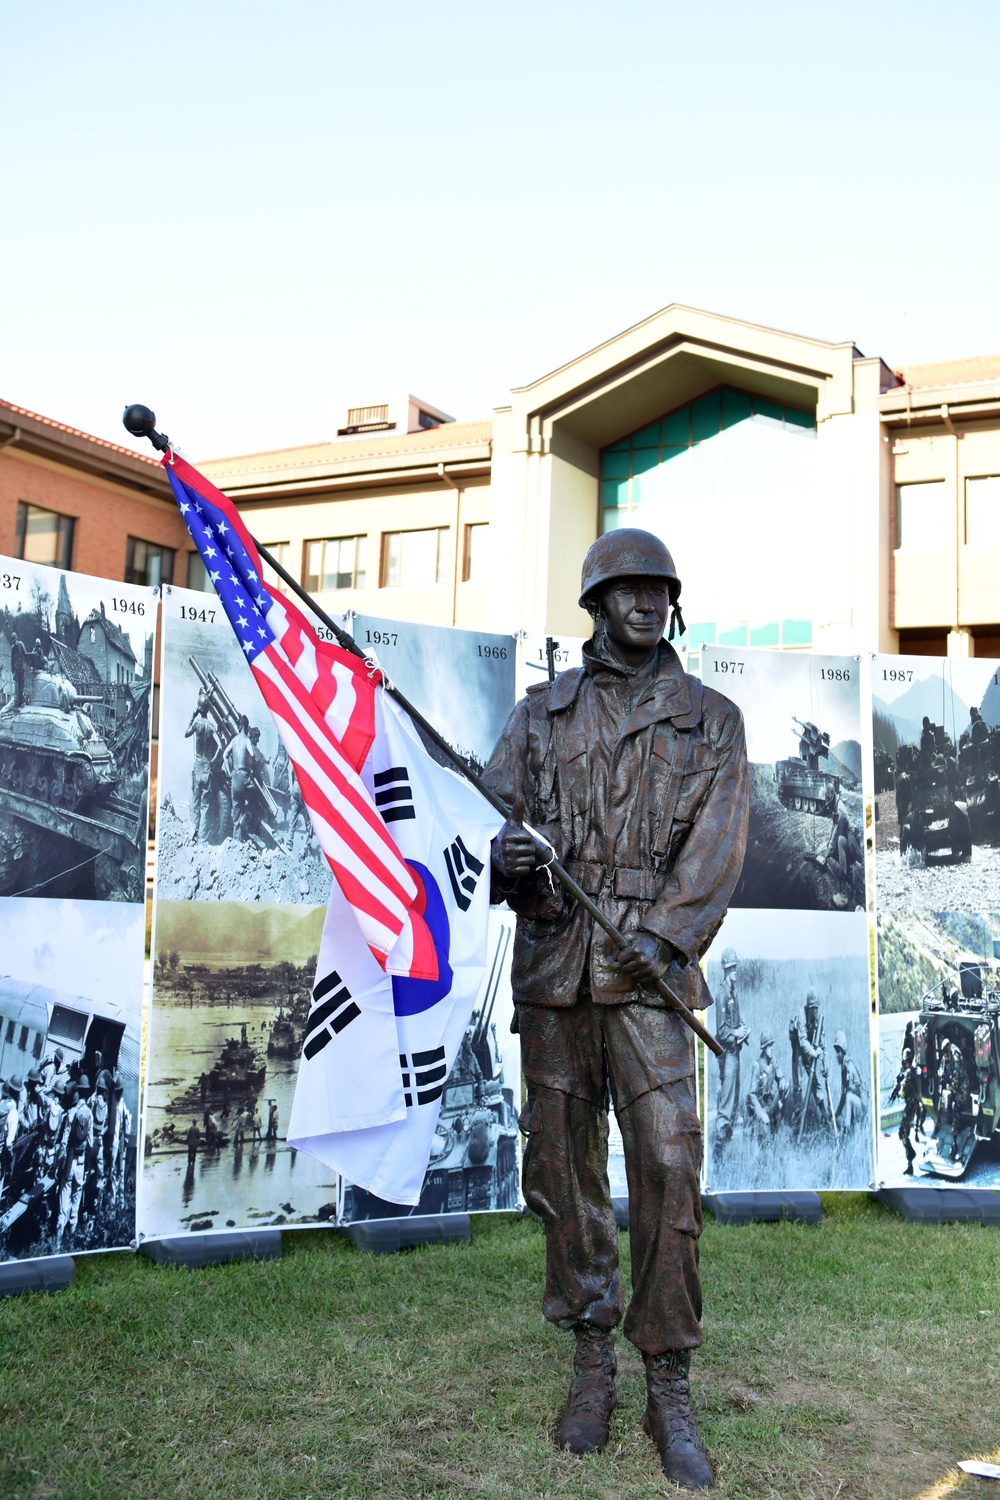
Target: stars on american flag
x,y
243,596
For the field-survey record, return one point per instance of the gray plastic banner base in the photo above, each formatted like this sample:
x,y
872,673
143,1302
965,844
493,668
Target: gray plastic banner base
x,y
764,1208
620,1206
943,1205
384,1236
50,1274
214,1249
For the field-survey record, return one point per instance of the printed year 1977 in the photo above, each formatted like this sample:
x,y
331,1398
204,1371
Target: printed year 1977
x,y
735,668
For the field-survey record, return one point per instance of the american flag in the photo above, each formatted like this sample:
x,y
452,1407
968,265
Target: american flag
x,y
322,699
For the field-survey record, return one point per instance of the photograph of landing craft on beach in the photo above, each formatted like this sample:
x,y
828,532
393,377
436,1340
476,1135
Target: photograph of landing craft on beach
x,y
232,990
936,723
76,670
805,845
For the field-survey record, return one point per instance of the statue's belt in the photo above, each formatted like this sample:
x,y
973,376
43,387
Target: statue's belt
x,y
632,885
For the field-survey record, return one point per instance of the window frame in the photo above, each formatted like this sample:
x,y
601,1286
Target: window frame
x,y
441,574
313,582
158,547
65,535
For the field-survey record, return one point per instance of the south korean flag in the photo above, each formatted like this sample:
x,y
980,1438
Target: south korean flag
x,y
378,1047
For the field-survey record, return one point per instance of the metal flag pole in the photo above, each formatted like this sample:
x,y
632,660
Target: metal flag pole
x,y
140,421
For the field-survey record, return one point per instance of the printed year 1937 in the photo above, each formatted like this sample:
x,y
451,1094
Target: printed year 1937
x,y
896,674
204,616
835,674
733,668
10,581
129,606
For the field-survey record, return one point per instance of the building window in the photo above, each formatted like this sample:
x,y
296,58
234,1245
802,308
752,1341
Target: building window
x,y
411,559
982,513
425,421
197,574
282,553
148,562
784,635
44,536
474,553
921,513
366,419
335,563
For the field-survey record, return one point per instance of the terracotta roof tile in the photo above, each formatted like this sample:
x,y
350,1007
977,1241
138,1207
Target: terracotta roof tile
x,y
316,455
23,411
975,370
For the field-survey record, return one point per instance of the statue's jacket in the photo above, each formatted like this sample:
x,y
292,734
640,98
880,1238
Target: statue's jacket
x,y
639,780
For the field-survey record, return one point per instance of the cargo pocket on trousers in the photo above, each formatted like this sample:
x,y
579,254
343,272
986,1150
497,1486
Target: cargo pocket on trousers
x,y
684,1207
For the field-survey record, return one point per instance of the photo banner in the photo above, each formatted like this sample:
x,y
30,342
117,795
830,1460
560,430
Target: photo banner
x,y
936,752
239,900
789,1105
76,658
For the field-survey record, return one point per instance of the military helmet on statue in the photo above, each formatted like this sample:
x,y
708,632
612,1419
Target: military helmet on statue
x,y
627,553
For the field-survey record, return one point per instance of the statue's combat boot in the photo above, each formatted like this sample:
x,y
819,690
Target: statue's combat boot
x,y
669,1422
583,1427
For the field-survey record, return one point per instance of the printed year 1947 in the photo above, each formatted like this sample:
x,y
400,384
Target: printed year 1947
x,y
204,616
896,674
835,674
735,668
10,581
129,606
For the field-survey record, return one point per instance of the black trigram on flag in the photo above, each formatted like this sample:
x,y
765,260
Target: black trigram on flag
x,y
423,1074
333,1009
393,794
464,871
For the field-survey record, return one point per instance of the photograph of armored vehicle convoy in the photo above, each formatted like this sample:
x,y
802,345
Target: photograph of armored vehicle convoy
x,y
74,739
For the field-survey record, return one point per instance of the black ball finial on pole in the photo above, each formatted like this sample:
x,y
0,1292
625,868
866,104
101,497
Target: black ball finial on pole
x,y
141,423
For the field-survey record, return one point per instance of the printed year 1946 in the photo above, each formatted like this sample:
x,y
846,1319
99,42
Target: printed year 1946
x,y
835,674
735,668
10,581
896,674
204,616
130,606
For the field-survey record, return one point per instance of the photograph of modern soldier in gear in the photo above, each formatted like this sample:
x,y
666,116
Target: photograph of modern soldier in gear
x,y
789,1105
937,741
637,776
805,845
231,823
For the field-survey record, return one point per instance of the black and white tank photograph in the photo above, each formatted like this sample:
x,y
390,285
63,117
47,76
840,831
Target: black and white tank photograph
x,y
802,711
232,990
474,1160
231,823
936,723
939,1048
70,1013
76,669
789,1103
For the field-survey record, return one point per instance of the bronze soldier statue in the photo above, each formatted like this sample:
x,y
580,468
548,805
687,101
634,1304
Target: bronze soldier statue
x,y
637,775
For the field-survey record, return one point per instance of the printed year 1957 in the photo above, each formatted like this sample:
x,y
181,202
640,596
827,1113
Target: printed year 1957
x,y
733,667
129,606
381,637
10,581
204,616
835,674
896,674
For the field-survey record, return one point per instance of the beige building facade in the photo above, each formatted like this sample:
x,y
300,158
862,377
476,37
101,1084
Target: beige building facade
x,y
812,497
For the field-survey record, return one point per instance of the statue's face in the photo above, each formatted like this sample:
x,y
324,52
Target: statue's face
x,y
635,611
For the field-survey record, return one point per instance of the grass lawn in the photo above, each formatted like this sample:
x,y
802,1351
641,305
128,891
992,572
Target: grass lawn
x,y
857,1359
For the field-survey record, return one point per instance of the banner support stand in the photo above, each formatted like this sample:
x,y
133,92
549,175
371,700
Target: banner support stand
x,y
197,1250
942,1205
50,1273
386,1236
764,1208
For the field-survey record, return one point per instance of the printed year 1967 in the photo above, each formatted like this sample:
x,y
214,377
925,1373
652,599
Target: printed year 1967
x,y
129,606
10,581
835,674
896,674
204,616
733,667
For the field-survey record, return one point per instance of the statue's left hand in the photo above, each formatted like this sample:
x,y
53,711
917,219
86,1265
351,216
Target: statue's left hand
x,y
646,957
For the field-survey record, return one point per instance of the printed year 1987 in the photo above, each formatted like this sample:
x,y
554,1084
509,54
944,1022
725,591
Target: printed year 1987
x,y
733,667
896,674
205,616
835,674
130,606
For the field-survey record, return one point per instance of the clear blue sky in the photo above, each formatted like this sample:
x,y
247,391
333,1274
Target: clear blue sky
x,y
246,214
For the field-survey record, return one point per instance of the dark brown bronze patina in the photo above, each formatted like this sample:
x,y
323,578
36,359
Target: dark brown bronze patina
x,y
637,775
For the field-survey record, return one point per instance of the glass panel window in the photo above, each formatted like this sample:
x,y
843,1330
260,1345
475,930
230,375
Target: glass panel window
x,y
412,559
335,563
982,513
474,558
197,574
796,633
43,536
282,553
148,562
920,517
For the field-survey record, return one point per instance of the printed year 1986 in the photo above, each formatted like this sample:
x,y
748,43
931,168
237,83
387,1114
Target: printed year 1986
x,y
896,674
129,606
734,667
835,674
205,616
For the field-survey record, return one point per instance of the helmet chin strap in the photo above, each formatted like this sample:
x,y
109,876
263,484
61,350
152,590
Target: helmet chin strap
x,y
676,621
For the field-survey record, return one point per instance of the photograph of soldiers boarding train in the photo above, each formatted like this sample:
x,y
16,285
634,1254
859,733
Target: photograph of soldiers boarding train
x,y
937,782
789,1104
75,679
939,1047
231,823
805,844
